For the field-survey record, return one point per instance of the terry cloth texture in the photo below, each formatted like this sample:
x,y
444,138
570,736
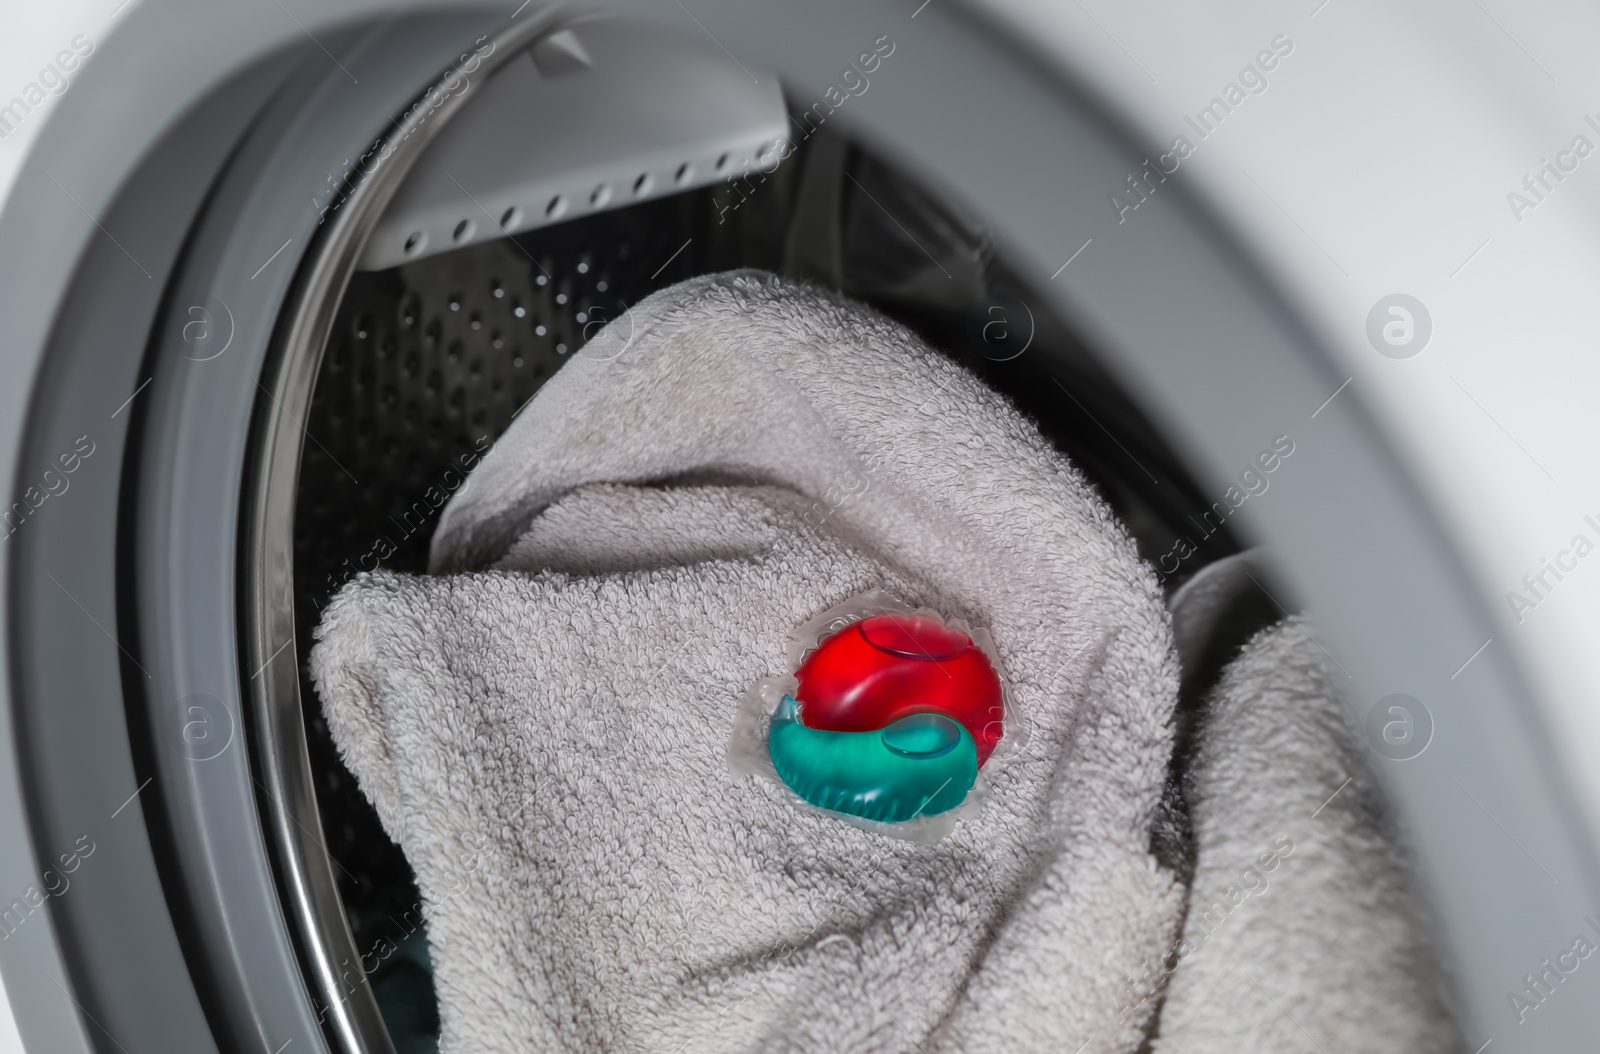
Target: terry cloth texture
x,y
543,727
1303,931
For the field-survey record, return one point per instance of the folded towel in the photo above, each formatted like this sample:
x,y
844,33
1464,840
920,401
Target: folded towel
x,y
768,450
543,727
1303,924
1303,931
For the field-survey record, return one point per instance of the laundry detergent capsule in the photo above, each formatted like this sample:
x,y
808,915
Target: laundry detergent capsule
x,y
891,719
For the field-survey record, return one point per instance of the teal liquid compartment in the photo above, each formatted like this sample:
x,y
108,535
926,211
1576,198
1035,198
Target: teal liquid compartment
x,y
921,765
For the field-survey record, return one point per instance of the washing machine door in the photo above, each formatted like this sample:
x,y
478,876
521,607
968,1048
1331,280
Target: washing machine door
x,y
1250,261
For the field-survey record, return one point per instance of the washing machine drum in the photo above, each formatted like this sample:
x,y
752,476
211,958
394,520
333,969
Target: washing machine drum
x,y
351,275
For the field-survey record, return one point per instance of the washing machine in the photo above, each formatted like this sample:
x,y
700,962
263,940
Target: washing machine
x,y
268,270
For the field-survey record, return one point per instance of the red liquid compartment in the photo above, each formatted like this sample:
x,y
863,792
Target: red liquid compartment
x,y
885,667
